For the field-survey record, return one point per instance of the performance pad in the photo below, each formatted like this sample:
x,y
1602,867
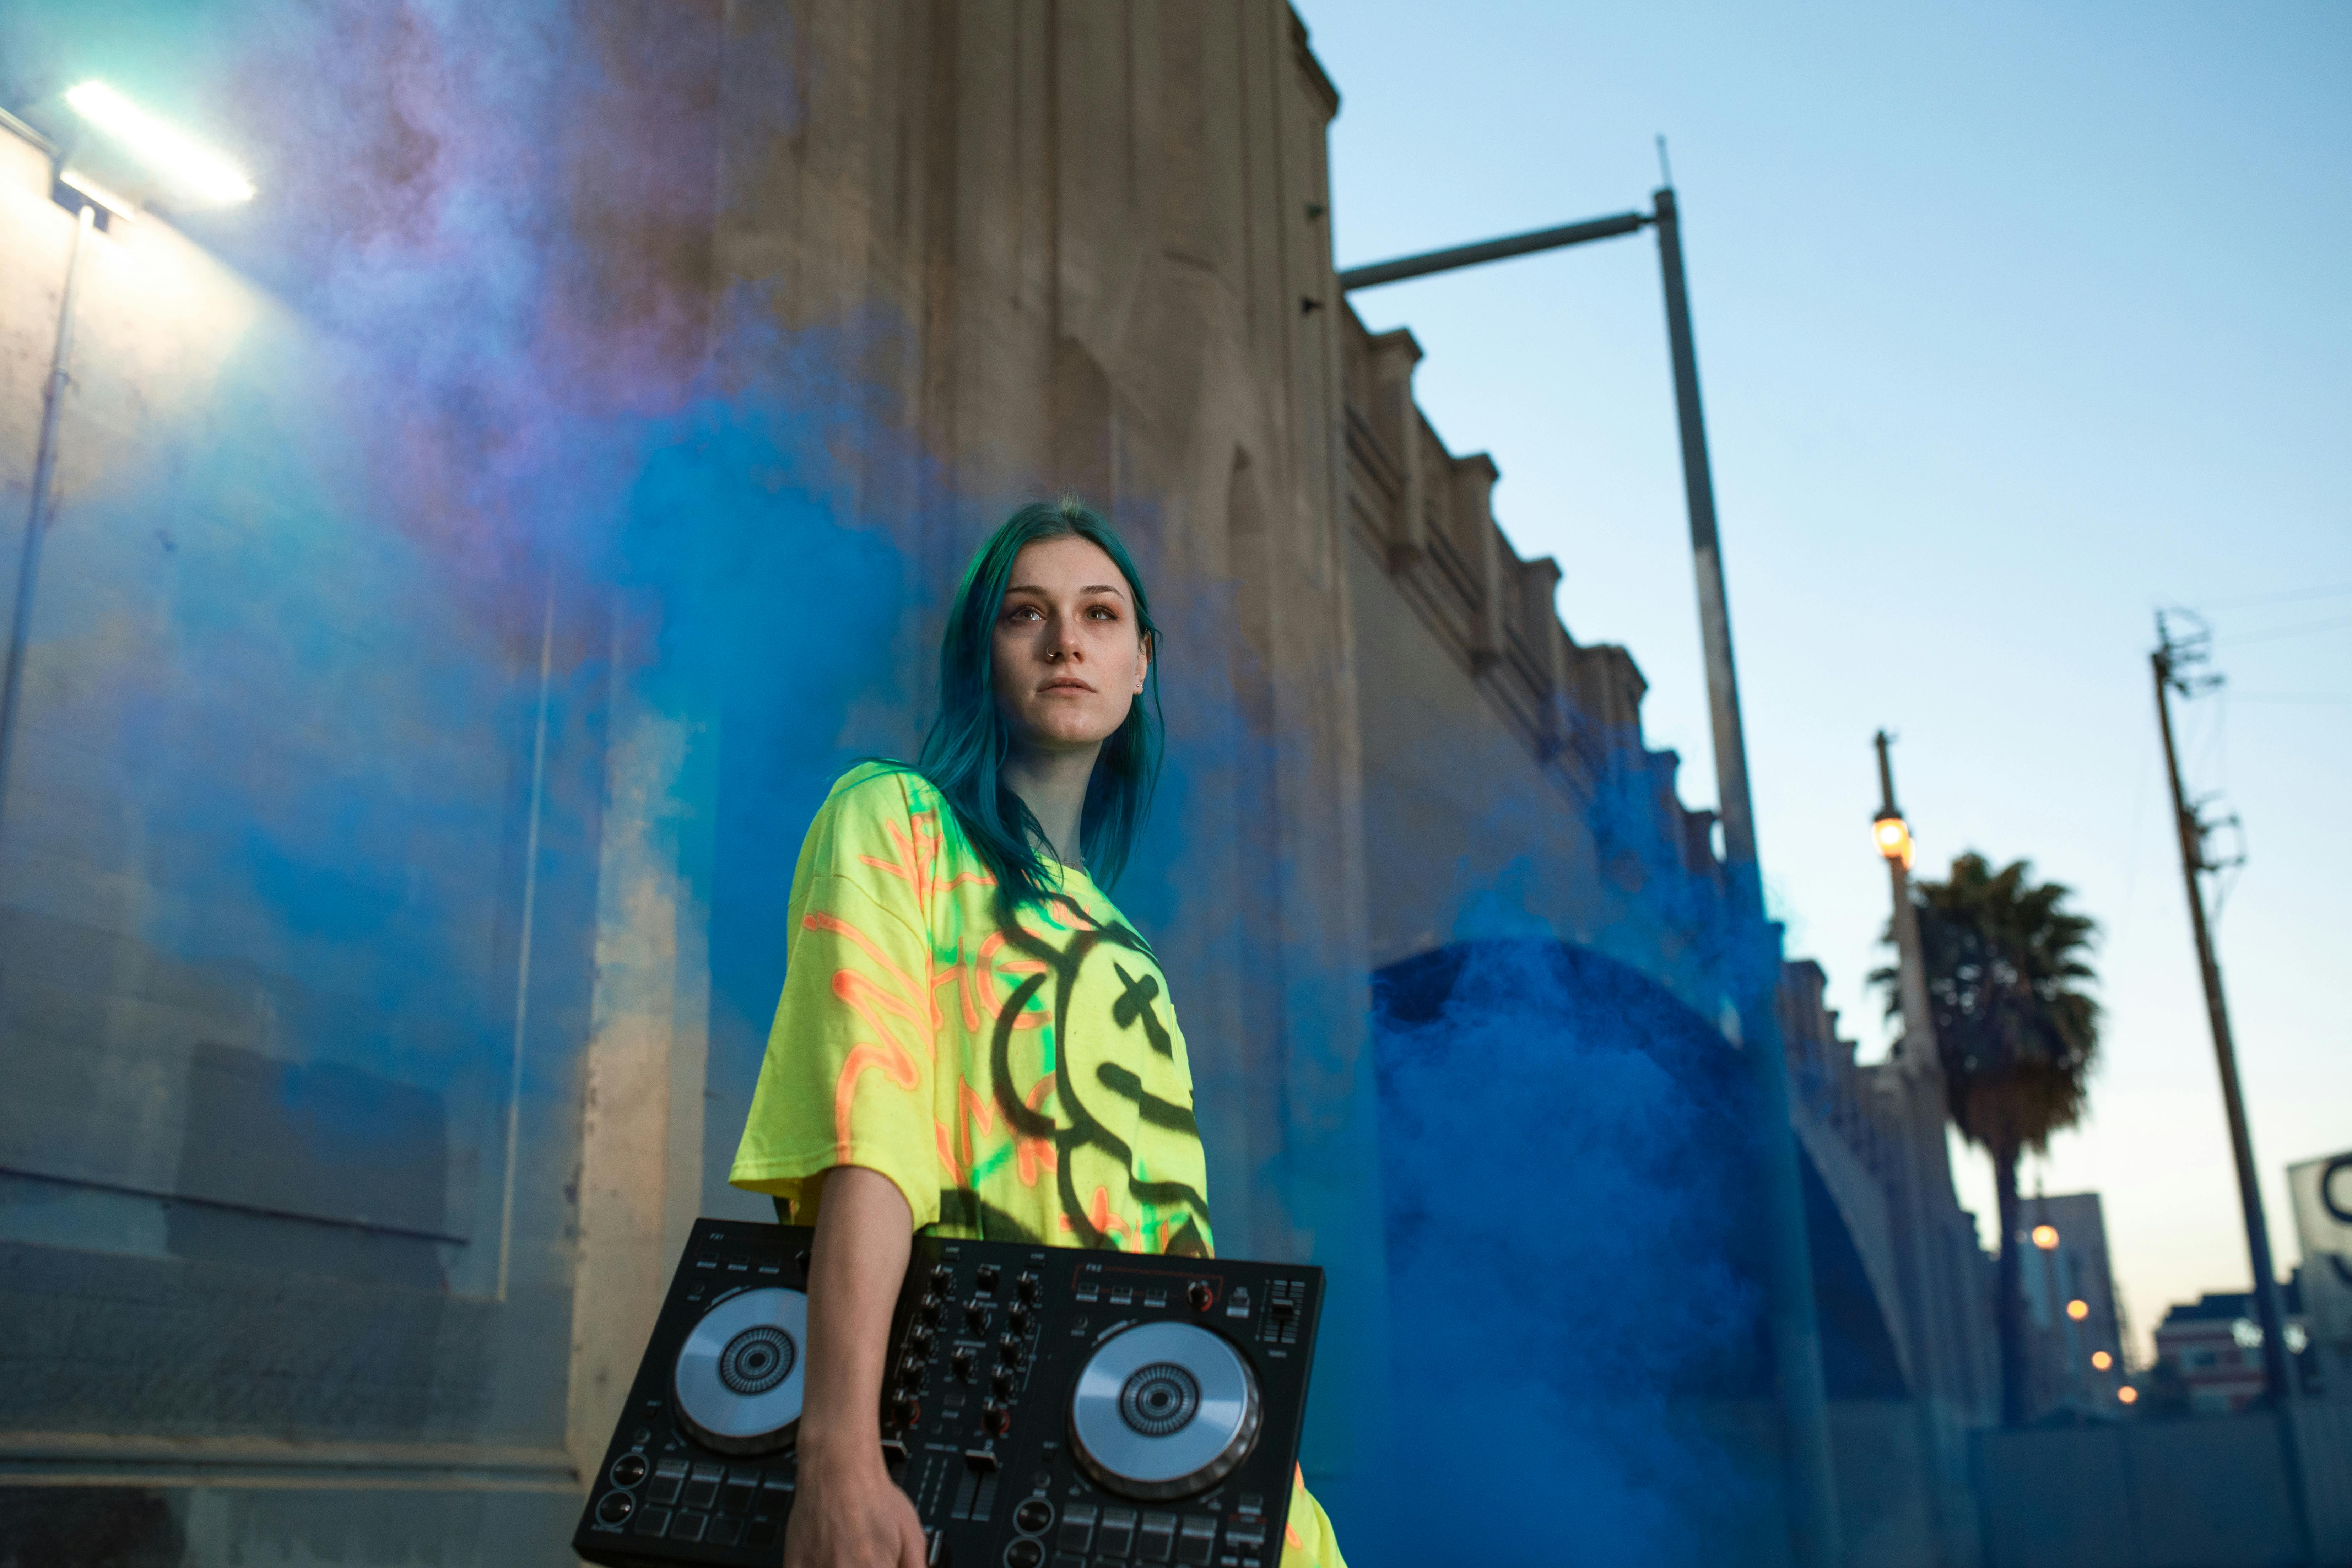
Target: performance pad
x,y
1043,1407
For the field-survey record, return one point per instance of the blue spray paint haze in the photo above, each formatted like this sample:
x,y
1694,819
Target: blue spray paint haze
x,y
306,605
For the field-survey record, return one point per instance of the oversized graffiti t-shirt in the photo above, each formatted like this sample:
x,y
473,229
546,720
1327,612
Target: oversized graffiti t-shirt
x,y
1018,1082
1021,1082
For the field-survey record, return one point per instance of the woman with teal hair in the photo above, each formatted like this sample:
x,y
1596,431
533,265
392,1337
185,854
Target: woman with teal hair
x,y
972,1040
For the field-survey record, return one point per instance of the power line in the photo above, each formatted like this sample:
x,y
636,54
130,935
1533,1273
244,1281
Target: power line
x,y
2340,621
2284,596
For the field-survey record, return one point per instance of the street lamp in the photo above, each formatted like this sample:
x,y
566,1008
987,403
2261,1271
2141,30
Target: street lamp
x,y
191,170
2129,1394
2102,1360
2045,1236
150,155
1893,836
2078,1308
1791,1313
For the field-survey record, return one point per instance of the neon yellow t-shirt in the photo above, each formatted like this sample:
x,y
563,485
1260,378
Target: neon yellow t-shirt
x,y
1021,1082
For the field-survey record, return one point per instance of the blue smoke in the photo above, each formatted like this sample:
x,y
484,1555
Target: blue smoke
x,y
1566,1151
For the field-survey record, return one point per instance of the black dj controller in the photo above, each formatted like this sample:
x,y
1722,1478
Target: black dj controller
x,y
1043,1407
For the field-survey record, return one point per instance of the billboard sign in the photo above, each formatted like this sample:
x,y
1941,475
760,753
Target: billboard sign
x,y
2323,1220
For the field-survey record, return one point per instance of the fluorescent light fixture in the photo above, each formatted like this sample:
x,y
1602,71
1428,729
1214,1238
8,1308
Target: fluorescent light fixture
x,y
195,168
99,194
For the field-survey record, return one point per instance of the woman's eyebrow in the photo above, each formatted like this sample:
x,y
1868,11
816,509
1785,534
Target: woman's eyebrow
x,y
1090,588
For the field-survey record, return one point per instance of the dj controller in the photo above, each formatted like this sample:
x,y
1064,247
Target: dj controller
x,y
1043,1407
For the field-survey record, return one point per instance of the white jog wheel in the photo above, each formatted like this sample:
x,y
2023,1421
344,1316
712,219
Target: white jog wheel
x,y
739,1375
1163,1410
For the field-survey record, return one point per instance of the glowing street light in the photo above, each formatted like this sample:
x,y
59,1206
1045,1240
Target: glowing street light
x,y
2129,1394
2102,1360
2045,1236
2078,1308
169,152
1893,836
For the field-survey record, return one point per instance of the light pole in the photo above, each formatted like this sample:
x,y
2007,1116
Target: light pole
x,y
165,162
1790,1311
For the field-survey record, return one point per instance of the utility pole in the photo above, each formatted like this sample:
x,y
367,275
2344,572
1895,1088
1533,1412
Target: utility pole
x,y
1811,1479
2173,656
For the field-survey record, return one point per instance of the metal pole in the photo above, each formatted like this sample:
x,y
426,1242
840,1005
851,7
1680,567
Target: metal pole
x,y
45,463
1796,1333
1919,1057
1490,250
2276,1366
1918,1090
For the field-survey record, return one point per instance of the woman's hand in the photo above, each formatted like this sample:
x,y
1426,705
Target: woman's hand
x,y
848,1513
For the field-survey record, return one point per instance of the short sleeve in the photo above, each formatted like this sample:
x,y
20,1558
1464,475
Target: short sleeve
x,y
848,1075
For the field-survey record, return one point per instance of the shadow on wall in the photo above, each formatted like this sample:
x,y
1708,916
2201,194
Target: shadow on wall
x,y
1573,1270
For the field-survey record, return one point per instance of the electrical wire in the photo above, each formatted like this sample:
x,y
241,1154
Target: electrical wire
x,y
2284,596
2240,640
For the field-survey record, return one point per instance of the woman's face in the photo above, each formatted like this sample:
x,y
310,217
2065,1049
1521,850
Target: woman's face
x,y
1070,656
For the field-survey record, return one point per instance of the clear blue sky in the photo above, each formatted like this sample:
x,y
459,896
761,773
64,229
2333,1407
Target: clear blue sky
x,y
2013,324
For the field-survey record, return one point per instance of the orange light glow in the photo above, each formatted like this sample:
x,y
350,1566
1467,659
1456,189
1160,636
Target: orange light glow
x,y
1893,836
2102,1360
2128,1394
2045,1236
2078,1309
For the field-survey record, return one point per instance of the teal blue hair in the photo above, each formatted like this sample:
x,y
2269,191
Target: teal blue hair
x,y
964,753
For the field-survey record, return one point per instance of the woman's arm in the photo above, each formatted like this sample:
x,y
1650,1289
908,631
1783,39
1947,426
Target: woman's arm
x,y
849,1513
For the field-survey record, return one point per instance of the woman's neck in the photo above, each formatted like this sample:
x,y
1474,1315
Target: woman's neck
x,y
1053,785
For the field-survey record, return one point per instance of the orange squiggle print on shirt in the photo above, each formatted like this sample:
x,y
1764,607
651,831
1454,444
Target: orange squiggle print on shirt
x,y
975,984
876,1006
919,854
1099,1215
976,1113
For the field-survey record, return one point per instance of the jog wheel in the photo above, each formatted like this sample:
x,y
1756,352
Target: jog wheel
x,y
738,1379
1163,1410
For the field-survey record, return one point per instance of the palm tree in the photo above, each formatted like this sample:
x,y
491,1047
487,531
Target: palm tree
x,y
2016,1035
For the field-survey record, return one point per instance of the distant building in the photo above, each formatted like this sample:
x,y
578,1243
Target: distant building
x,y
2213,1347
2074,1330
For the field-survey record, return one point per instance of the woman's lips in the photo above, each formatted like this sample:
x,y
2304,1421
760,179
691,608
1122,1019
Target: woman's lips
x,y
1067,683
